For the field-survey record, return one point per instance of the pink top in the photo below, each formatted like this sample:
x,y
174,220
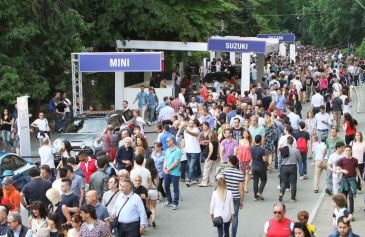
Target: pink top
x,y
358,149
324,83
244,153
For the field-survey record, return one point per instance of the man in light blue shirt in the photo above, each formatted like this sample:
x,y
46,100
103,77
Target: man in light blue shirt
x,y
142,98
152,105
281,101
129,211
171,168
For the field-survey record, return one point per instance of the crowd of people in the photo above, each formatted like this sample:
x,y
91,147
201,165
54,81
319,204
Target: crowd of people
x,y
218,136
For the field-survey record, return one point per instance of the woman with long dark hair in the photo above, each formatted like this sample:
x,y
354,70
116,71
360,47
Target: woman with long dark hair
x,y
5,123
350,128
65,152
38,220
300,230
54,225
153,183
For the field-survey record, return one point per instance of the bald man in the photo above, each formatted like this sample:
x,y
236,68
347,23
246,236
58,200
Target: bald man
x,y
101,211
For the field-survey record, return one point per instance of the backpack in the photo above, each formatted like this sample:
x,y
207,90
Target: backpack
x,y
302,145
51,105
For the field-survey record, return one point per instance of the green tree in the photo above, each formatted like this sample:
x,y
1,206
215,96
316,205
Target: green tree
x,y
36,39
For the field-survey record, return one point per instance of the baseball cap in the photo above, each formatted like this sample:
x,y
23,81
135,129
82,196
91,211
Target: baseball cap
x,y
8,173
7,181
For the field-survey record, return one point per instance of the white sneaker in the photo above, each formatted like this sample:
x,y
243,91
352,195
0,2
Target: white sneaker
x,y
193,182
301,177
174,207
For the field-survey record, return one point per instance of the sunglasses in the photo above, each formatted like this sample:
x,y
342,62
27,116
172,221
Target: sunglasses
x,y
277,212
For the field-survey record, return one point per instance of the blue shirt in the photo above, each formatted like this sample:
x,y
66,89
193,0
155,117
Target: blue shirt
x,y
101,212
280,104
210,120
152,100
231,114
163,139
159,162
171,155
142,99
199,99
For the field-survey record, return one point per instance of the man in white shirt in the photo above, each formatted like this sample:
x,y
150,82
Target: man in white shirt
x,y
323,122
297,83
317,101
192,149
294,118
140,170
46,154
337,88
129,212
166,113
253,96
331,165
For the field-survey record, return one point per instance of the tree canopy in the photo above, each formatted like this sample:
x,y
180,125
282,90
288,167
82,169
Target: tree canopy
x,y
37,36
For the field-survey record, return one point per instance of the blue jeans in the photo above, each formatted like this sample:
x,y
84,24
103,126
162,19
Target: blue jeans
x,y
321,133
303,165
59,122
6,138
193,158
236,204
175,183
151,115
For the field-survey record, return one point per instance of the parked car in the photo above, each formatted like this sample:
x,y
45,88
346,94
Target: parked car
x,y
84,130
18,166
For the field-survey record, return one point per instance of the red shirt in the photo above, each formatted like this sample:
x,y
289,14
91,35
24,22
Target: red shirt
x,y
349,130
348,164
204,93
88,168
278,229
231,100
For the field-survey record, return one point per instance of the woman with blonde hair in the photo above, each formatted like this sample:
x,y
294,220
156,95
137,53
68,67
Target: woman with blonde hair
x,y
54,197
221,207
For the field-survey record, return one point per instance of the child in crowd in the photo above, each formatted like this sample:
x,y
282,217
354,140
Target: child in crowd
x,y
339,201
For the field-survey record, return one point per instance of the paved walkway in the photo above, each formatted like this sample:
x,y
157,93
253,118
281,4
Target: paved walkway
x,y
323,219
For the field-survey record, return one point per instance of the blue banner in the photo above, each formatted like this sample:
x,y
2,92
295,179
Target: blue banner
x,y
121,62
236,45
287,38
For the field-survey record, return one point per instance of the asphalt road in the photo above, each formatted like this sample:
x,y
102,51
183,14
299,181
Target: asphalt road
x,y
192,217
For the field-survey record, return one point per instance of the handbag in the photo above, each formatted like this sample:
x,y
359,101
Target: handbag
x,y
218,221
284,152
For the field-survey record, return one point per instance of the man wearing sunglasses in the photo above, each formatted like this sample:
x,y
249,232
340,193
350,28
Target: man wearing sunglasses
x,y
279,225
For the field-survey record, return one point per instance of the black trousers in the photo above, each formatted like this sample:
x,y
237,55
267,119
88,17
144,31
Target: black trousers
x,y
128,229
183,168
259,173
349,139
350,196
288,174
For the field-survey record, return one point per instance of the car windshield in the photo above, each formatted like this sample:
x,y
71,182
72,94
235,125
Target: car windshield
x,y
87,125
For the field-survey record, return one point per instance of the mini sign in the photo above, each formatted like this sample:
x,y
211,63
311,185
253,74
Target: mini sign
x,y
281,37
121,62
236,45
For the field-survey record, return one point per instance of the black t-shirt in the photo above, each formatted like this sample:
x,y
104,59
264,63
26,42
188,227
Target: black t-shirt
x,y
308,81
141,190
266,102
237,133
257,154
304,134
61,107
36,190
70,200
6,127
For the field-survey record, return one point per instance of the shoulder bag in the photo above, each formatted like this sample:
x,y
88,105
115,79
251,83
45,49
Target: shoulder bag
x,y
218,221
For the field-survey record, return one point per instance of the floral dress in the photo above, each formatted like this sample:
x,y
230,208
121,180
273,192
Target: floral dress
x,y
269,139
